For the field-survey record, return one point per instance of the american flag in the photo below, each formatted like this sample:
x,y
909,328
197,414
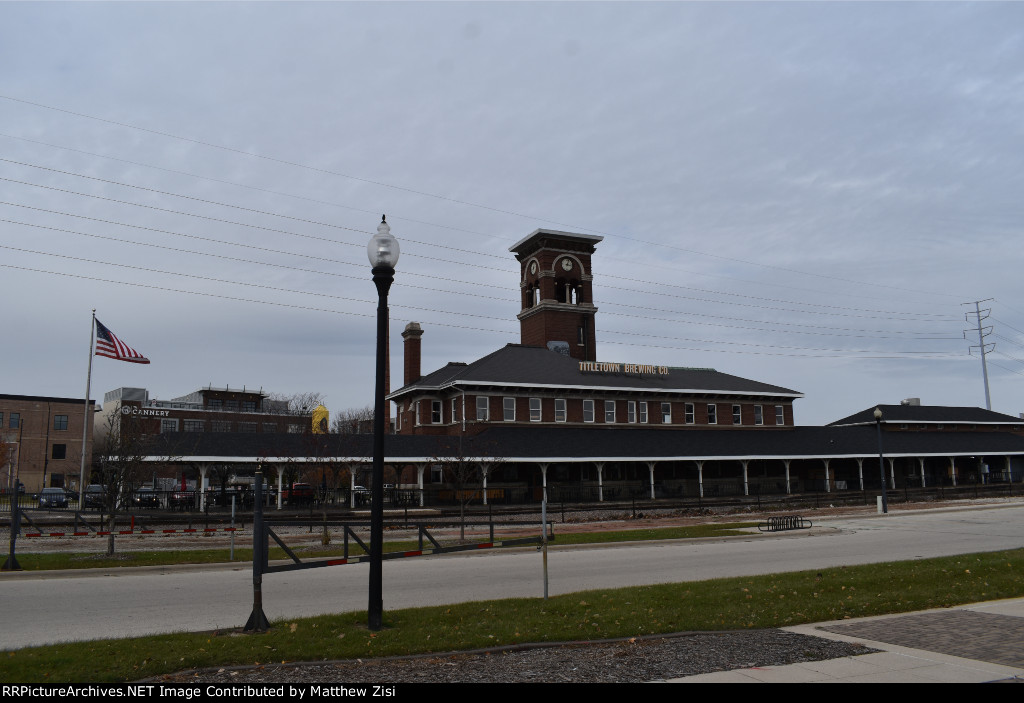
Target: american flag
x,y
108,345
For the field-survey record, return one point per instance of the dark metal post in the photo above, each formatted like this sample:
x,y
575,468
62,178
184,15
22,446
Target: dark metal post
x,y
12,561
257,620
881,460
383,276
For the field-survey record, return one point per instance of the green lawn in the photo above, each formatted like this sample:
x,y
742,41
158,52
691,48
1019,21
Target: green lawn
x,y
722,604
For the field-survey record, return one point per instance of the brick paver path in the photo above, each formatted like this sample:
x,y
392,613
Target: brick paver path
x,y
997,639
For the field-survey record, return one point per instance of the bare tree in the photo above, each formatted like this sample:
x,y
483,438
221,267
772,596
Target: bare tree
x,y
120,456
464,475
295,404
353,421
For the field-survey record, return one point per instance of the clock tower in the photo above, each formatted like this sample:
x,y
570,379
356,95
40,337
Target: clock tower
x,y
556,280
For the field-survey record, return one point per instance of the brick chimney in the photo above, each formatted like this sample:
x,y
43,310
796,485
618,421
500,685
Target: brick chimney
x,y
412,335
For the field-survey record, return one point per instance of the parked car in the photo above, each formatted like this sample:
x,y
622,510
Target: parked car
x,y
6,490
53,498
362,494
182,500
301,494
146,498
95,496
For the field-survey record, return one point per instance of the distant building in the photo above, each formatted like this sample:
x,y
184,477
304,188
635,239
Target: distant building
x,y
42,438
209,409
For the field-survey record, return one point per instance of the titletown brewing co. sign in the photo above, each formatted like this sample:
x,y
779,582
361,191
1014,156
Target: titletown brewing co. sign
x,y
606,367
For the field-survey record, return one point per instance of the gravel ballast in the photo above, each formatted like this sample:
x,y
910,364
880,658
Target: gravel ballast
x,y
632,660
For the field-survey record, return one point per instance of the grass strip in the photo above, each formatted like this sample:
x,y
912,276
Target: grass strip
x,y
127,558
722,604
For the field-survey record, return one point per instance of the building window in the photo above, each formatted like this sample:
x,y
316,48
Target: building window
x,y
231,405
247,427
417,412
712,414
1,419
609,411
60,422
15,421
780,415
643,412
508,406
192,425
482,408
435,412
249,406
689,413
666,413
631,412
588,411
270,427
737,414
168,425
60,451
215,404
455,410
559,409
295,429
535,415
220,426
758,415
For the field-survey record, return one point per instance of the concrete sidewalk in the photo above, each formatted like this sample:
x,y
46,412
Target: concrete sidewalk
x,y
978,643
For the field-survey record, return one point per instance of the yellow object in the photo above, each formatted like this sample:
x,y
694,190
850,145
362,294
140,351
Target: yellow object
x,y
321,420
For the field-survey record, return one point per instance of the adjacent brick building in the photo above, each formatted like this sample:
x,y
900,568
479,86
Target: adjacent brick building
x,y
42,438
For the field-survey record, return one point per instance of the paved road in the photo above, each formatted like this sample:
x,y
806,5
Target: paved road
x,y
120,603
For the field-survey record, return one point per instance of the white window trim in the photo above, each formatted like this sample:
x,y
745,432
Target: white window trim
x,y
564,411
486,408
588,403
780,415
689,413
611,404
631,412
663,420
436,405
643,412
505,409
712,414
737,414
539,410
758,414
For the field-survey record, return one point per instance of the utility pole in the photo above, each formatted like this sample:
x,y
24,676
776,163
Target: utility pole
x,y
983,332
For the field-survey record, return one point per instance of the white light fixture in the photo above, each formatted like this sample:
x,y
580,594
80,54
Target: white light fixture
x,y
383,248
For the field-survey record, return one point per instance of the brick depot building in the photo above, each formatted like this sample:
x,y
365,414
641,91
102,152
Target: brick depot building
x,y
547,413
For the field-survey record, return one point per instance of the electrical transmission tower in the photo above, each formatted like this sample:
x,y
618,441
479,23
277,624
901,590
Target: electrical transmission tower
x,y
982,346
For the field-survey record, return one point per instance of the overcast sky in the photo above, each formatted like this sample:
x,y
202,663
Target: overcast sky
x,y
798,193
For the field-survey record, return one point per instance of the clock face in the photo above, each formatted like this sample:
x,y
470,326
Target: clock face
x,y
533,267
567,264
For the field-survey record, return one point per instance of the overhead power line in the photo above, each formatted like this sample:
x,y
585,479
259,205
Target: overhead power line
x,y
467,203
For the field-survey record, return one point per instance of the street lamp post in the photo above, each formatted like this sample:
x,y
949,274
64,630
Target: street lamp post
x,y
881,461
383,254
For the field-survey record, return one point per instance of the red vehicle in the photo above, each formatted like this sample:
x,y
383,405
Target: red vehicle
x,y
300,494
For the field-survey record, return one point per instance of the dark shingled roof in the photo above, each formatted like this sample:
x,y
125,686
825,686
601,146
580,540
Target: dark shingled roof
x,y
590,444
929,414
521,365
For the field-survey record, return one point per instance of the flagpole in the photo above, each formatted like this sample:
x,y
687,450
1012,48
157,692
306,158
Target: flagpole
x,y
85,423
